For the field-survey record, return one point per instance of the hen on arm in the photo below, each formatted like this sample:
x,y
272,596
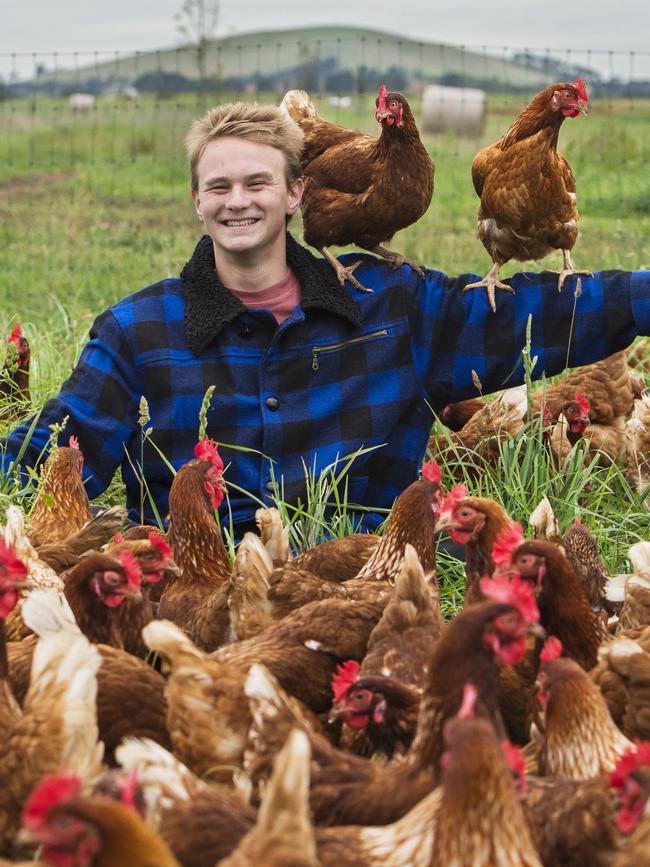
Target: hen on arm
x,y
527,189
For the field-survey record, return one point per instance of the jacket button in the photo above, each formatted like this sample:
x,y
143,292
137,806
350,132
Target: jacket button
x,y
270,487
272,403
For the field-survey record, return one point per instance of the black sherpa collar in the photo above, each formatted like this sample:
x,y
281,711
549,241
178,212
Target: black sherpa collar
x,y
209,306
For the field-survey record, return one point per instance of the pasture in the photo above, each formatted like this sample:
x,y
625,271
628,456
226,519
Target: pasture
x,y
96,205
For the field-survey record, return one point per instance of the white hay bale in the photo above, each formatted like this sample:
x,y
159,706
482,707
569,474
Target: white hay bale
x,y
457,109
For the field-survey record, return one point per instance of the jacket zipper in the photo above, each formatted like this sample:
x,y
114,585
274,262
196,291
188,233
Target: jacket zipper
x,y
316,349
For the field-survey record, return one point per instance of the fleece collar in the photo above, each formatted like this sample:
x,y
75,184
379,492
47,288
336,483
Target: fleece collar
x,y
209,306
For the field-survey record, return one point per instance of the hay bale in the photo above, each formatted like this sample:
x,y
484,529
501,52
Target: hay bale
x,y
457,109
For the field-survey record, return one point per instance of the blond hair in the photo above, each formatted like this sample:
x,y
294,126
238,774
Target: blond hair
x,y
266,124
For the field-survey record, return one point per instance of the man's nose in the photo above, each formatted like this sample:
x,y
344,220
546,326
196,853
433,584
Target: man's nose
x,y
239,198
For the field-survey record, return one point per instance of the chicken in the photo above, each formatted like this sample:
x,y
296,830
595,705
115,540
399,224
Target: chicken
x,y
62,507
632,592
360,189
527,189
564,608
200,822
474,645
274,594
487,430
480,822
456,415
380,701
303,648
62,556
637,447
584,823
14,378
475,522
283,834
57,725
623,676
207,711
579,738
89,829
153,557
196,599
606,385
581,549
95,587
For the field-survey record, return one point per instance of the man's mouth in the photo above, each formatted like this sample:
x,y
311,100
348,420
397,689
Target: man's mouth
x,y
248,221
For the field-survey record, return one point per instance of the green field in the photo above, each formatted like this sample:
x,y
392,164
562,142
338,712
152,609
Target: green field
x,y
95,206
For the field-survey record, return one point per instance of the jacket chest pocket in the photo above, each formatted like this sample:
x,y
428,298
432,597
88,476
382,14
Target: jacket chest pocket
x,y
319,351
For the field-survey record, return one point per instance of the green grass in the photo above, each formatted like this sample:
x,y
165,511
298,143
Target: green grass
x,y
94,207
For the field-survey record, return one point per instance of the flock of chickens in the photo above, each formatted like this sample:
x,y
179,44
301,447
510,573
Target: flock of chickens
x,y
361,190
162,705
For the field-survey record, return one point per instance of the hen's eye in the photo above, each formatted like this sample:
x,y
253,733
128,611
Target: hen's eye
x,y
112,579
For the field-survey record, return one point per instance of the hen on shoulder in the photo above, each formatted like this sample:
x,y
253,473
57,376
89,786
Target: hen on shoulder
x,y
360,189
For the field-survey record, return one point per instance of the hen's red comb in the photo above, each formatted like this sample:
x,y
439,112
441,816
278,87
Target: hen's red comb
x,y
470,694
636,757
15,335
432,472
345,675
516,762
552,649
453,498
581,87
512,591
582,402
51,792
161,543
506,544
131,569
206,450
118,538
73,443
11,568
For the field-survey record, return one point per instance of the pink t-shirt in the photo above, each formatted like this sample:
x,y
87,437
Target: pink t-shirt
x,y
280,298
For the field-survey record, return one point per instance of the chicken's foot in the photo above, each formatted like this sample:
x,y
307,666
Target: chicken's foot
x,y
568,270
342,272
490,282
396,260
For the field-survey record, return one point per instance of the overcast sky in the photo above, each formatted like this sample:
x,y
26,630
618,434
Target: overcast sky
x,y
45,26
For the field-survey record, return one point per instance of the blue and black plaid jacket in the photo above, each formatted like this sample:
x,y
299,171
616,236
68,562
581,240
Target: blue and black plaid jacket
x,y
345,370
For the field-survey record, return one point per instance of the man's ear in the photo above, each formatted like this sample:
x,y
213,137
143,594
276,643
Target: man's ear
x,y
197,203
295,196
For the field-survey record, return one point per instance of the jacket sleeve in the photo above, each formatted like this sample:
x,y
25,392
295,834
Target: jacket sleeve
x,y
100,399
455,333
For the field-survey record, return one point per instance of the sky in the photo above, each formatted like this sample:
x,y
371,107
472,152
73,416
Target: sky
x,y
46,26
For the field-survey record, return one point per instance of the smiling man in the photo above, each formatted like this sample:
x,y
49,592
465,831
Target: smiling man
x,y
305,371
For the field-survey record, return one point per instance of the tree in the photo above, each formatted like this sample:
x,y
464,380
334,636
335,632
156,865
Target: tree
x,y
197,22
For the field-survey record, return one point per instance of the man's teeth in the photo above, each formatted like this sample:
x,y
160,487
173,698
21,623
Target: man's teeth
x,y
247,222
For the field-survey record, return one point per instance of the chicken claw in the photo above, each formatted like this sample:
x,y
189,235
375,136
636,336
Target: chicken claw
x,y
490,282
344,273
396,260
569,270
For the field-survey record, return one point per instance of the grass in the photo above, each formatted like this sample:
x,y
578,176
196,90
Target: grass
x,y
93,207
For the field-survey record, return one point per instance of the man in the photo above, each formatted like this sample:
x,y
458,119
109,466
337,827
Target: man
x,y
305,372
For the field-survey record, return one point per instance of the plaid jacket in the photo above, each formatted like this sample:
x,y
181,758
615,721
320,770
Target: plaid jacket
x,y
345,370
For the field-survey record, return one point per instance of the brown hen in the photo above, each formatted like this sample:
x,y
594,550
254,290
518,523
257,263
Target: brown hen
x,y
527,189
360,189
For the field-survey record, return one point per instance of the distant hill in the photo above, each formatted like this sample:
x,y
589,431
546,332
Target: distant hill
x,y
325,58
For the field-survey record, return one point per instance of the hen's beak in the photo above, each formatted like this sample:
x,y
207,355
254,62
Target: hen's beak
x,y
444,521
536,630
581,106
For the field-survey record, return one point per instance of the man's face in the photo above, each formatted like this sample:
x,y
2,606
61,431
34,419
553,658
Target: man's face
x,y
242,196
